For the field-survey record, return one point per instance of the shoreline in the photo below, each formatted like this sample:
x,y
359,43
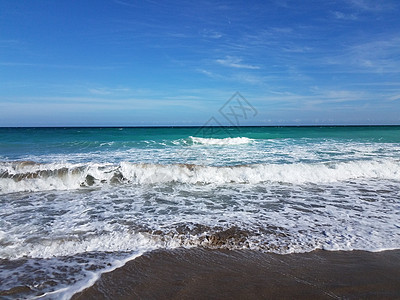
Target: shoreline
x,y
214,274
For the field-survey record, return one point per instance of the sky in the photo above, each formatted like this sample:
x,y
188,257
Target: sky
x,y
153,63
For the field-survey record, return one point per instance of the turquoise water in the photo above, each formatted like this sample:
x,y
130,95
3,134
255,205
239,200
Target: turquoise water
x,y
78,139
44,143
77,202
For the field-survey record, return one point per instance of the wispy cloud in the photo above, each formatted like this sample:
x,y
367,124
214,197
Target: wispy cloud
x,y
249,78
381,55
109,91
297,49
372,5
337,96
395,97
282,30
344,16
210,74
211,34
101,102
376,56
124,3
241,77
60,66
235,62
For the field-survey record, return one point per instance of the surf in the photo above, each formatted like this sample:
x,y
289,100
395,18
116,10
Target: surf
x,y
220,141
24,177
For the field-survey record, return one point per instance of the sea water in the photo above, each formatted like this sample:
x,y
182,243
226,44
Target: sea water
x,y
77,202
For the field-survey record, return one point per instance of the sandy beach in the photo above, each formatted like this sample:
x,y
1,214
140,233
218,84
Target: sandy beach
x,y
222,274
150,201
199,149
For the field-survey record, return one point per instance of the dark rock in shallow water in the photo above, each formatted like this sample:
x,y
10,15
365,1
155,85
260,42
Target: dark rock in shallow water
x,y
233,235
18,290
90,180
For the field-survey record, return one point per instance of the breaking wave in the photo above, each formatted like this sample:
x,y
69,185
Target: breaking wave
x,y
30,176
220,142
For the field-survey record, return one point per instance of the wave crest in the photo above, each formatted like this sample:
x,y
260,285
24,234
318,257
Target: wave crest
x,y
18,177
220,142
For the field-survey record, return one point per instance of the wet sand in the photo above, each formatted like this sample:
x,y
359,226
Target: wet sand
x,y
223,274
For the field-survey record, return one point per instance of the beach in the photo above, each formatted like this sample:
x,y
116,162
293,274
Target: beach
x,y
218,274
190,212
199,149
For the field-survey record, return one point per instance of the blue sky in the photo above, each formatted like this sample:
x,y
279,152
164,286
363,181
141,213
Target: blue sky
x,y
122,62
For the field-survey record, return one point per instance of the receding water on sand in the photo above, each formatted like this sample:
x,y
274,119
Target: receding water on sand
x,y
243,274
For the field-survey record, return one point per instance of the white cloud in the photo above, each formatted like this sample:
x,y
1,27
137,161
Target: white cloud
x,y
211,74
235,62
395,97
297,49
99,91
211,34
380,54
56,66
240,77
98,103
342,95
248,78
372,5
342,16
283,30
377,56
125,3
108,91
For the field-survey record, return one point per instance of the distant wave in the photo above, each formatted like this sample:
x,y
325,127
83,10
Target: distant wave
x,y
225,141
30,176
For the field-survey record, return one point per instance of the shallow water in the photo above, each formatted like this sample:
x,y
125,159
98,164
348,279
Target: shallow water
x,y
77,202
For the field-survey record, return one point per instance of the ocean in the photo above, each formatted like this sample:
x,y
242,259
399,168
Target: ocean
x,y
79,202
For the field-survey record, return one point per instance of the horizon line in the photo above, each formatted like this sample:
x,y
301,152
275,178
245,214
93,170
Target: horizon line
x,y
202,126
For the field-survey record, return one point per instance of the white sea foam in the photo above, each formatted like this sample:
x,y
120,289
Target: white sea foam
x,y
68,292
108,242
220,142
106,227
134,244
42,177
282,151
17,177
93,206
289,173
281,219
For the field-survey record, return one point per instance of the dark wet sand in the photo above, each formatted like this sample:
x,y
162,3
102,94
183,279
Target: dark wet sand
x,y
222,274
